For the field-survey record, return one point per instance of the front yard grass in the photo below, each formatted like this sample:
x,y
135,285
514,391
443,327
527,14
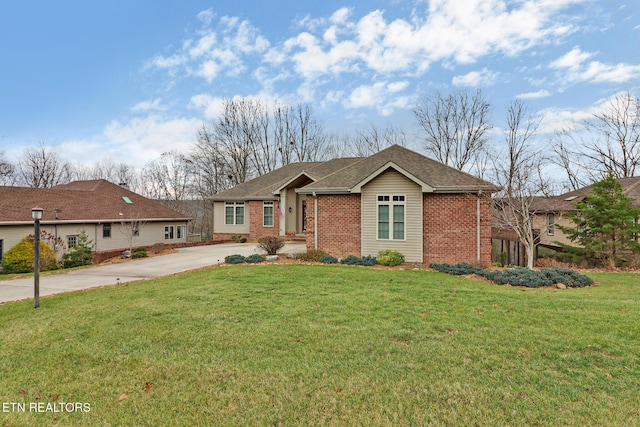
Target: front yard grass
x,y
325,345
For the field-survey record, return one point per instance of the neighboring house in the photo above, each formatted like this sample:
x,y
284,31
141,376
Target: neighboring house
x,y
548,212
113,217
395,199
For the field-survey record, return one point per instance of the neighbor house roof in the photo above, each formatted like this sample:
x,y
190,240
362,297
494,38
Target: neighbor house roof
x,y
81,201
566,202
347,175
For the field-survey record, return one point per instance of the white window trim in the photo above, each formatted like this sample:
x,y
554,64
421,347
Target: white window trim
x,y
391,203
235,206
168,232
273,214
181,231
551,226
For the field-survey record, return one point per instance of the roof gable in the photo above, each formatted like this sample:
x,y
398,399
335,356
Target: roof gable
x,y
428,173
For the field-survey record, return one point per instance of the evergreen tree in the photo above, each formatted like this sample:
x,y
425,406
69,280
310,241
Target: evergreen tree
x,y
606,223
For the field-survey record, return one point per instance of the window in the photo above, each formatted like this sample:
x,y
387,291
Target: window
x,y
234,213
168,232
72,241
127,200
267,214
181,231
391,217
551,224
106,230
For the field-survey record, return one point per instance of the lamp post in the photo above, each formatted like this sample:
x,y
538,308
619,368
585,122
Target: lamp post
x,y
36,214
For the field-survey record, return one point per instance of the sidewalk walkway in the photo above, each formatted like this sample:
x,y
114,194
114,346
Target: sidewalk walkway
x,y
185,259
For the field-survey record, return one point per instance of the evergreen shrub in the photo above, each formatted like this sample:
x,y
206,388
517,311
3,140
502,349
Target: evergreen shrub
x,y
234,259
520,276
253,259
19,259
328,259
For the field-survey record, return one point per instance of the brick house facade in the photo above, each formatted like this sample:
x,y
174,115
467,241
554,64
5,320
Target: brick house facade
x,y
395,199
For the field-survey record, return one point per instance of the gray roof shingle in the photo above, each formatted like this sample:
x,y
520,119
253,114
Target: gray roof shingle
x,y
341,175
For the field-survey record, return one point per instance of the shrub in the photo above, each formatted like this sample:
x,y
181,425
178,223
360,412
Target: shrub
x,y
238,238
520,276
461,269
140,252
255,258
390,258
270,244
354,260
19,259
234,259
328,259
158,248
79,255
312,255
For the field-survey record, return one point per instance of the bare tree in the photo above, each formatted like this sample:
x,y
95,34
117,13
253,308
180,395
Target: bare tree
x,y
518,173
169,179
7,170
454,127
41,167
606,144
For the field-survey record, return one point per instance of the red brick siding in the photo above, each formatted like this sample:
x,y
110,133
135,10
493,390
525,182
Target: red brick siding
x,y
256,229
226,237
338,224
450,228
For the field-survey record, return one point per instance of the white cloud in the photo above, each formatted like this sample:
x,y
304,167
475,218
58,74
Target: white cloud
x,y
476,79
154,105
575,67
382,96
535,95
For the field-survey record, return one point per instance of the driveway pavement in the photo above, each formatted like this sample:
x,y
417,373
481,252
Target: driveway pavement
x,y
140,269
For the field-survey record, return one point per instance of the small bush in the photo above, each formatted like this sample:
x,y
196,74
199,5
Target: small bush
x,y
461,269
238,238
253,259
158,248
354,260
328,259
234,259
312,255
19,259
270,244
140,252
79,255
390,258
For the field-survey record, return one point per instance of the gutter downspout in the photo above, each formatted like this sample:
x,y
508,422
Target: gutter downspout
x,y
315,221
478,226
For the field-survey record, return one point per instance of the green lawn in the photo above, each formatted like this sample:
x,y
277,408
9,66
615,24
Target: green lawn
x,y
325,345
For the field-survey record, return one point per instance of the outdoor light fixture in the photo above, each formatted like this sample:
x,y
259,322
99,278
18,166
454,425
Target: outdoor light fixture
x,y
36,214
290,209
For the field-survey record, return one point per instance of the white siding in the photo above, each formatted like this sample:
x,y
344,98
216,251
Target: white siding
x,y
392,183
150,233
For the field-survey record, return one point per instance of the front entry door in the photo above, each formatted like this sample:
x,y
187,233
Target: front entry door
x,y
304,216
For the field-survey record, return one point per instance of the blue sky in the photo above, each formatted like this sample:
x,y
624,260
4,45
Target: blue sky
x,y
132,79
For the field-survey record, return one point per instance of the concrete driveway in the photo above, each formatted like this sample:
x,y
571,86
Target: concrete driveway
x,y
140,269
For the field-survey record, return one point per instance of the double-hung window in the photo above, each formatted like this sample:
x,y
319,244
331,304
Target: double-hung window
x,y
181,231
234,213
267,214
168,232
391,217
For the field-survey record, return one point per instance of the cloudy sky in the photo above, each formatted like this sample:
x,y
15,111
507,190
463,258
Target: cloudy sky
x,y
130,79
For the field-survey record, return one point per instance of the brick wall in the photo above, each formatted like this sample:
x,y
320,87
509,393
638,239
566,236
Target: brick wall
x,y
338,226
450,228
256,229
